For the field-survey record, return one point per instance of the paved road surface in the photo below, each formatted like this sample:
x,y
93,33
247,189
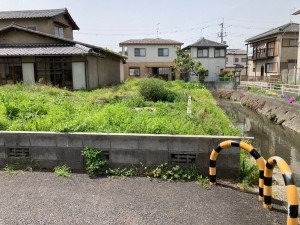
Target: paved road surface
x,y
43,198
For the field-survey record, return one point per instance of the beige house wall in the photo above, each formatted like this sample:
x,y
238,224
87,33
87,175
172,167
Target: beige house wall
x,y
109,70
143,68
22,37
103,71
44,25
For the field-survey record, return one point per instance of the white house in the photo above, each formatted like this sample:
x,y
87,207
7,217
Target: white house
x,y
151,57
211,54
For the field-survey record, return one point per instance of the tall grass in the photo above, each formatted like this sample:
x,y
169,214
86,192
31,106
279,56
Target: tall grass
x,y
117,109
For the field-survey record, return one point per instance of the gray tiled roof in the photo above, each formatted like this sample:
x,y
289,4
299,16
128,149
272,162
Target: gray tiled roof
x,y
94,49
150,41
32,14
206,43
39,50
289,27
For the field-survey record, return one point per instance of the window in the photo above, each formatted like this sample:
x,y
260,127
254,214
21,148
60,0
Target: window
x,y
59,31
206,73
10,70
270,49
269,67
55,71
293,43
202,52
32,27
290,42
140,52
163,52
226,59
236,59
134,71
243,59
219,52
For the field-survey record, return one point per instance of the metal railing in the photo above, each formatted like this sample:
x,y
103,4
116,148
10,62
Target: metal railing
x,y
281,88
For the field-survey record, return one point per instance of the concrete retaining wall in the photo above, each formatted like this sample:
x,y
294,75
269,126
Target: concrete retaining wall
x,y
51,149
277,109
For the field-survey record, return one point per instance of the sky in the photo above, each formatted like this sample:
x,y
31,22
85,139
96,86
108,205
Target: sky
x,y
106,23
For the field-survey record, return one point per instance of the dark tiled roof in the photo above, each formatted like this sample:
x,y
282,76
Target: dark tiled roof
x,y
289,27
31,14
150,41
96,49
206,43
39,50
297,12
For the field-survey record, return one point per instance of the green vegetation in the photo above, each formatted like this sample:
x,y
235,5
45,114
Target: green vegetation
x,y
10,170
62,171
249,172
273,117
95,162
264,92
121,109
184,64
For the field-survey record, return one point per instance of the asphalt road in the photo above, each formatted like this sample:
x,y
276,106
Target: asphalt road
x,y
44,198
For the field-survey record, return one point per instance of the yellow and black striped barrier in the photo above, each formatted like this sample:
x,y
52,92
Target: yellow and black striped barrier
x,y
291,189
260,161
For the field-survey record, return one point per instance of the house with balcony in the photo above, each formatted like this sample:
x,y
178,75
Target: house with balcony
x,y
236,61
38,46
273,52
211,54
150,57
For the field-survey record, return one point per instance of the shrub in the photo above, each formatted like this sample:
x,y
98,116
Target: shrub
x,y
154,90
94,162
62,171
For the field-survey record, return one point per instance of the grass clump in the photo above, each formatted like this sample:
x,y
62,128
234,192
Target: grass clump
x,y
62,171
249,173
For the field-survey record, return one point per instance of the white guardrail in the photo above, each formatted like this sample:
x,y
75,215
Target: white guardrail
x,y
283,88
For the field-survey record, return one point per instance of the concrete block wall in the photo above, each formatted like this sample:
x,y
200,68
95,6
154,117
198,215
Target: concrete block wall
x,y
50,149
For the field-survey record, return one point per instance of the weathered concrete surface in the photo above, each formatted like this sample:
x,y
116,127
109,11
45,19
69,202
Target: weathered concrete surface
x,y
43,198
279,110
224,85
123,150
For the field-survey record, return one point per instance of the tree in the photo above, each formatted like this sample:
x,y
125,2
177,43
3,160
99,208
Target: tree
x,y
184,64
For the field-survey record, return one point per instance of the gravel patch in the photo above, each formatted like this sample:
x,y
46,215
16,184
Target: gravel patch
x,y
44,198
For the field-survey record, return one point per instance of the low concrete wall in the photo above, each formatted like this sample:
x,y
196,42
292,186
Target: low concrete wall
x,y
51,149
225,85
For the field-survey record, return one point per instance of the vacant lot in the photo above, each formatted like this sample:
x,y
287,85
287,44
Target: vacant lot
x,y
123,109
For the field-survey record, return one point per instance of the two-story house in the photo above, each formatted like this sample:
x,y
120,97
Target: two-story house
x,y
211,54
38,46
236,60
273,52
151,57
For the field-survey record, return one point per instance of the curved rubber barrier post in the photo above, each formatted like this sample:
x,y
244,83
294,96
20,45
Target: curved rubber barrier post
x,y
291,189
260,161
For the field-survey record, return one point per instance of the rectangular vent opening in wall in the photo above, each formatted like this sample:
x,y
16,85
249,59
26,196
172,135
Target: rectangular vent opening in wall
x,y
183,158
18,152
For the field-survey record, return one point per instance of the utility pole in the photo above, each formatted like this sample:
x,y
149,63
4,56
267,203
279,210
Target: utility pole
x,y
222,34
157,29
